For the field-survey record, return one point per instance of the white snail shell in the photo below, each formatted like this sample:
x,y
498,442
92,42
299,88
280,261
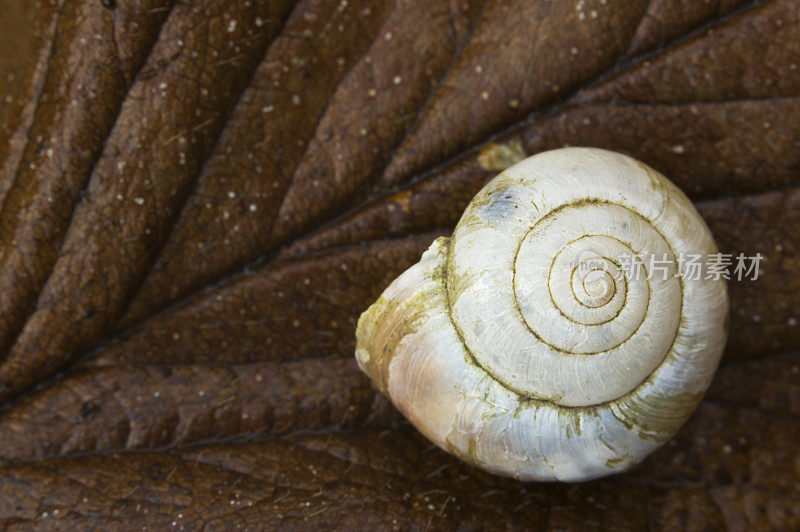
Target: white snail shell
x,y
524,346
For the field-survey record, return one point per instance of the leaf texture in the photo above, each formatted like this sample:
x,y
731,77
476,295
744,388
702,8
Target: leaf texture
x,y
198,199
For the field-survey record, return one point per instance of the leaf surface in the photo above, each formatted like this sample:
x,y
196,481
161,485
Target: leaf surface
x,y
198,199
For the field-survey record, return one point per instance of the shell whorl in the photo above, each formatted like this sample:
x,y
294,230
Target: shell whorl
x,y
535,342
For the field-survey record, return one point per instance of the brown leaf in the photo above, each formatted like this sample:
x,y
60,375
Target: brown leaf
x,y
197,200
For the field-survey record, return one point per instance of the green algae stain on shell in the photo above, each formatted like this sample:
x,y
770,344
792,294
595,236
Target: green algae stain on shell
x,y
656,416
394,317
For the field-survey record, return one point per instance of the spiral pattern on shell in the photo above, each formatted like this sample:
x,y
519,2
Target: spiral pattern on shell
x,y
555,335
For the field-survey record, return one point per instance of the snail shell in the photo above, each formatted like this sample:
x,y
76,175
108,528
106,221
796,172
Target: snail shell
x,y
525,345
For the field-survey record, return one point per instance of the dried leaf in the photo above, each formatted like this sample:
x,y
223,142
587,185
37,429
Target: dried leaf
x,y
197,200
